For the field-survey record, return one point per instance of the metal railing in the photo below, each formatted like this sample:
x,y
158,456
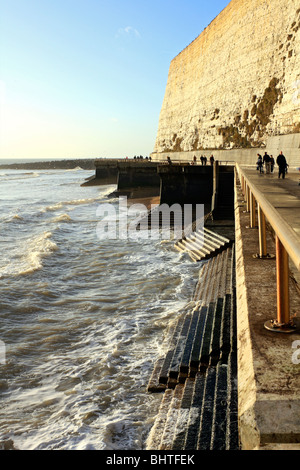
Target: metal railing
x,y
287,246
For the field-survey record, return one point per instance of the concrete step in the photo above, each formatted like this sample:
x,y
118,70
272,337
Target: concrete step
x,y
202,244
154,439
198,337
198,375
183,416
172,417
199,415
232,438
214,276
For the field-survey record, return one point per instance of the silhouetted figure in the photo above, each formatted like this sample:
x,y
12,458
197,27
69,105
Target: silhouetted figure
x,y
272,161
281,162
259,163
211,159
267,162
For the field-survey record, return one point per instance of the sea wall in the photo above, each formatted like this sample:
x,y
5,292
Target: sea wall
x,y
289,144
135,174
236,84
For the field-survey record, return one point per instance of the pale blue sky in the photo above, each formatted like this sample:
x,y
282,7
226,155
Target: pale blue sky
x,y
86,78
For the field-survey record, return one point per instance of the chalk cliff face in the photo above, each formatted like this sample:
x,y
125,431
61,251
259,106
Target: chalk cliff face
x,y
237,83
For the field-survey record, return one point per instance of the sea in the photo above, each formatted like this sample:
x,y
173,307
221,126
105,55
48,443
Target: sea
x,y
83,319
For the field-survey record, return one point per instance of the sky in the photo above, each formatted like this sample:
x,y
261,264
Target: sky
x,y
87,78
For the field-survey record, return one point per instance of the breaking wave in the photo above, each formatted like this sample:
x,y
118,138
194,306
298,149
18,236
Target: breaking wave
x,y
62,218
31,257
19,176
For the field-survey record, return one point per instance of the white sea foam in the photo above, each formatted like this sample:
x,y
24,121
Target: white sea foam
x,y
62,218
29,258
17,217
77,168
12,218
19,176
71,202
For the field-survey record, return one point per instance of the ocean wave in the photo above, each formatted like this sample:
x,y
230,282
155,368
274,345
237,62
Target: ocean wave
x,y
19,176
53,207
12,218
62,218
73,202
31,258
77,168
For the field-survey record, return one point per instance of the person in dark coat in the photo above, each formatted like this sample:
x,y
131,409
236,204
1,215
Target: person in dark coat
x,y
282,163
259,163
267,162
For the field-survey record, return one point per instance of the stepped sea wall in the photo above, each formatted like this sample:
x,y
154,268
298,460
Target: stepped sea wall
x,y
238,83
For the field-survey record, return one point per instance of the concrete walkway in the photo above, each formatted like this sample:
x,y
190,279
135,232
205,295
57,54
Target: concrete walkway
x,y
268,369
283,194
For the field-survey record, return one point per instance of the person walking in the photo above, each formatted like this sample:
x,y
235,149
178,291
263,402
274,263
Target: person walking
x,y
272,161
282,163
267,162
259,163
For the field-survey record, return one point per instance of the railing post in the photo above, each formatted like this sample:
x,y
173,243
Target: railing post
x,y
262,236
283,323
262,233
252,211
247,198
243,185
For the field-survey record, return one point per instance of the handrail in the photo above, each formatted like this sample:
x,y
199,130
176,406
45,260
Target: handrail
x,y
287,236
287,245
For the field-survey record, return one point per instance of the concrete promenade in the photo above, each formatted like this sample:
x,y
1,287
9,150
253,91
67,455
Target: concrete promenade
x,y
284,195
268,363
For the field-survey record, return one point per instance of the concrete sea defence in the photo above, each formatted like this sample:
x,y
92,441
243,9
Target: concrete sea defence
x,y
199,372
236,393
289,144
262,392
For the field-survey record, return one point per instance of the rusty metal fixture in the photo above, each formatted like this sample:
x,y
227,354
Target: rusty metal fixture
x,y
262,232
252,205
273,325
263,254
283,323
248,198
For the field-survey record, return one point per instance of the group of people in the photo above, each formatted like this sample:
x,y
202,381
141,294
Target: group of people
x,y
203,160
268,162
